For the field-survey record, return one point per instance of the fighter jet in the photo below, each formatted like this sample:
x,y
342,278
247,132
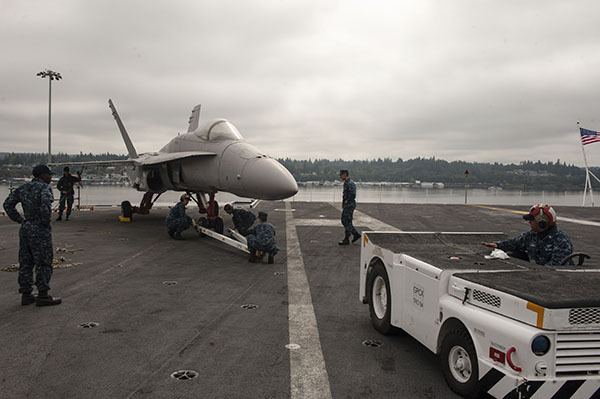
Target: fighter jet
x,y
207,159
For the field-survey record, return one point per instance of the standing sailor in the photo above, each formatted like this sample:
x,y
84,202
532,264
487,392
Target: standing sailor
x,y
35,236
65,186
348,206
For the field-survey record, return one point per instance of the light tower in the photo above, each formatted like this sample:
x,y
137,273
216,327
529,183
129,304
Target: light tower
x,y
51,75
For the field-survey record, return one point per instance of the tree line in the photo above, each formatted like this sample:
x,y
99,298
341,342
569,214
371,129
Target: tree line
x,y
525,175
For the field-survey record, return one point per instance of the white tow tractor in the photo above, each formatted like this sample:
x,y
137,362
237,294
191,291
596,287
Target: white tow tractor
x,y
502,327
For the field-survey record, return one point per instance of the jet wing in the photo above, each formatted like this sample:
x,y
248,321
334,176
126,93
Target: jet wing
x,y
153,159
115,162
142,160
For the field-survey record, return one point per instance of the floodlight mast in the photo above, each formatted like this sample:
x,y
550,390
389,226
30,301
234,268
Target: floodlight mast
x,y
51,75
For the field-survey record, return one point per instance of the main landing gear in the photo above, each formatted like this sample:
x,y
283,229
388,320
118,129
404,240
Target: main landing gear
x,y
148,200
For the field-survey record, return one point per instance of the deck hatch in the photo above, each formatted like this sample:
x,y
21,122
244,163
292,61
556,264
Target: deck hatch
x,y
487,298
184,375
584,316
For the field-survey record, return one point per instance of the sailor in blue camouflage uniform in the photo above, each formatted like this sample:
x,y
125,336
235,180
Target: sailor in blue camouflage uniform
x,y
261,240
241,218
67,194
177,221
544,244
35,236
348,206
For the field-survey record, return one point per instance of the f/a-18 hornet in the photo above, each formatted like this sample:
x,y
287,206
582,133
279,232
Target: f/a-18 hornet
x,y
208,158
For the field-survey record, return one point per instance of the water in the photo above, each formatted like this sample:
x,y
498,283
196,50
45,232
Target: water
x,y
405,195
113,195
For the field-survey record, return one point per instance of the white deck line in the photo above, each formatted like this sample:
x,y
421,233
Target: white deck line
x,y
559,218
362,219
308,374
578,221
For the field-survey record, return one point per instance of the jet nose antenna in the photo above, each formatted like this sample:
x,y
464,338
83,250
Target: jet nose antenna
x,y
268,179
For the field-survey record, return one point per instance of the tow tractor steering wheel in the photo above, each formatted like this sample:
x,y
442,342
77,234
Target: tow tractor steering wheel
x,y
581,258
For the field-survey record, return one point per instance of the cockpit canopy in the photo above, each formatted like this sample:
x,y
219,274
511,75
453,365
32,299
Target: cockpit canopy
x,y
218,130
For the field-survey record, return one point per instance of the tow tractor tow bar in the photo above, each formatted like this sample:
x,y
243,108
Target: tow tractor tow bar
x,y
239,242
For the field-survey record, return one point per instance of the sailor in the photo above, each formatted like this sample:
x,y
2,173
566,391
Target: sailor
x,y
65,186
544,244
35,236
177,221
242,219
261,240
348,206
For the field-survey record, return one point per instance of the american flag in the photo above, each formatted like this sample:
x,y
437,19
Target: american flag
x,y
589,136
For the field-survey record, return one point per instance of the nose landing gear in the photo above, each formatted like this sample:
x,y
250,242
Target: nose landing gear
x,y
210,208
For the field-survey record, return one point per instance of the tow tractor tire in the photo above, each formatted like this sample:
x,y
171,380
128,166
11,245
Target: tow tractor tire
x,y
459,363
379,296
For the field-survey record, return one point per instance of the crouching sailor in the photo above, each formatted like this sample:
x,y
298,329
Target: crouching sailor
x,y
178,221
241,218
261,240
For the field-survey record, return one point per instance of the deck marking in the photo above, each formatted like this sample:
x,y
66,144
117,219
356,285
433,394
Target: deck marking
x,y
308,374
362,219
317,222
561,218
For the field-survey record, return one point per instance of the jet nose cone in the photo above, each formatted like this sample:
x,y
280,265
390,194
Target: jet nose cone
x,y
267,179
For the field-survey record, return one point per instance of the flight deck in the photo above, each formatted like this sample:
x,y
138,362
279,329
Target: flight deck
x,y
145,316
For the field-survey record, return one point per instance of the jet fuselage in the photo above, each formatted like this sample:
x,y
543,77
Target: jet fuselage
x,y
234,166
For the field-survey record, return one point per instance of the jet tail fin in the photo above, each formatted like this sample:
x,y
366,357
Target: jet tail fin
x,y
130,148
194,118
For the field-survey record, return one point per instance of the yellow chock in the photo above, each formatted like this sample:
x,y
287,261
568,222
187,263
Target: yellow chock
x,y
123,219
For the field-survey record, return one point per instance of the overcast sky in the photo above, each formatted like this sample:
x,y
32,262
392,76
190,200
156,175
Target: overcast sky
x,y
477,80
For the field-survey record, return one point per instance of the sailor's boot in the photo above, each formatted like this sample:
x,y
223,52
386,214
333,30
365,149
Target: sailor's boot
x,y
27,298
178,236
346,240
43,299
59,218
355,236
271,259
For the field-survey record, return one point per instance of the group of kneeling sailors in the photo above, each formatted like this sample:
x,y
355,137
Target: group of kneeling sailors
x,y
259,236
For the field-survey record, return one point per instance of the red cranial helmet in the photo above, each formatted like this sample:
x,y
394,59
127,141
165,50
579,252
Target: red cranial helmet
x,y
543,214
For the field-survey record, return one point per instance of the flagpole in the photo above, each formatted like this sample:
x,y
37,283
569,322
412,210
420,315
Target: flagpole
x,y
588,182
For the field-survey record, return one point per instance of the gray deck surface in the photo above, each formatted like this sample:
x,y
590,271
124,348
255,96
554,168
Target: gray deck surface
x,y
148,330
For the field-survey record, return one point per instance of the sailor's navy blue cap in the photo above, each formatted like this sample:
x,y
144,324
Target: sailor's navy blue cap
x,y
262,215
39,170
343,171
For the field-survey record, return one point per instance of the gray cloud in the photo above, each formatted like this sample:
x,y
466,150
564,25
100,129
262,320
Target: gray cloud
x,y
486,80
